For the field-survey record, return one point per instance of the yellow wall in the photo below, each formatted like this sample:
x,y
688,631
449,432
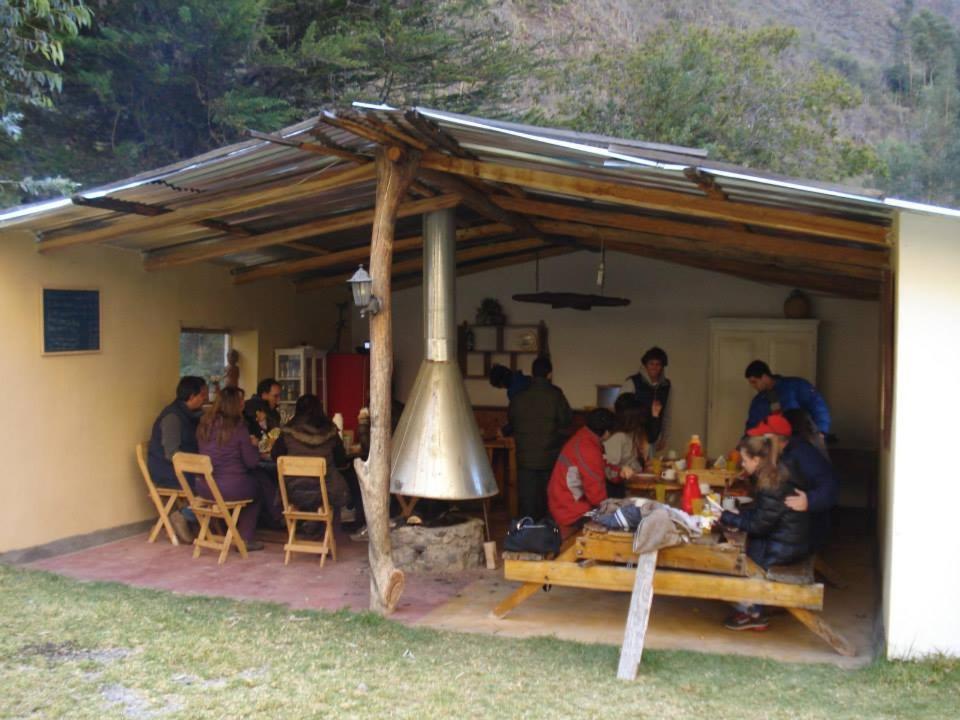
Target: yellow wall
x,y
72,421
670,306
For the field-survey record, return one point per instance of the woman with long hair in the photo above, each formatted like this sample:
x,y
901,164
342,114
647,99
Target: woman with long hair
x,y
223,435
776,535
311,433
637,429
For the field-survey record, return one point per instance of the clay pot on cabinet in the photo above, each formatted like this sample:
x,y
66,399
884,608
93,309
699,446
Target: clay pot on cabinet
x,y
796,306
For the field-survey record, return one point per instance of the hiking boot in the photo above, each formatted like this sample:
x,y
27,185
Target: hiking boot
x,y
747,621
181,528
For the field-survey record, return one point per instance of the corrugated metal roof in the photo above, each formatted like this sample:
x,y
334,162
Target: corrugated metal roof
x,y
237,191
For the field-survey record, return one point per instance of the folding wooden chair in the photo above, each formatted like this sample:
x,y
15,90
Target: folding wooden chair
x,y
165,505
291,466
206,510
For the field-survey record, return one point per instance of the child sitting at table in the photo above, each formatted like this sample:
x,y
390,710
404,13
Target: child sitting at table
x,y
776,535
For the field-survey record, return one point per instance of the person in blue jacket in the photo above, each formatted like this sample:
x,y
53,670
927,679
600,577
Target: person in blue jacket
x,y
811,465
777,394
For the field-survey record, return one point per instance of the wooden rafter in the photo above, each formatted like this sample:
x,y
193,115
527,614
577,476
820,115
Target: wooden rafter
x,y
477,266
355,254
475,197
783,255
416,264
222,204
859,288
713,238
322,226
661,200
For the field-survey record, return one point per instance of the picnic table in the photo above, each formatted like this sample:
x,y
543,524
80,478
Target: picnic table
x,y
714,567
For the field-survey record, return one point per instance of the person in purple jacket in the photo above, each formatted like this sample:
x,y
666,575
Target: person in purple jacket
x,y
223,435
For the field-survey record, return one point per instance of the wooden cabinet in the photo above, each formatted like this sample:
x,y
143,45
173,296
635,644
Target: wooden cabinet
x,y
299,371
479,347
789,347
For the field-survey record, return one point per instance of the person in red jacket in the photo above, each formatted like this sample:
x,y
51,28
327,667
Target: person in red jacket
x,y
578,481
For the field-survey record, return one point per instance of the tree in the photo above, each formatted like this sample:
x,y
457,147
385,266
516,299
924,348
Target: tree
x,y
31,52
446,53
31,48
923,163
739,94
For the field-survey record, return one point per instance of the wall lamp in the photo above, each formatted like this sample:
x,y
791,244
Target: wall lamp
x,y
362,285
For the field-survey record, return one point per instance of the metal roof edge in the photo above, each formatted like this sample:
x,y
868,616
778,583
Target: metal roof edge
x,y
922,208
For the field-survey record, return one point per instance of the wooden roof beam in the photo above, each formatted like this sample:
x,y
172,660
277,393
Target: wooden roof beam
x,y
659,243
416,264
322,226
222,204
860,289
661,200
478,266
479,201
711,236
355,254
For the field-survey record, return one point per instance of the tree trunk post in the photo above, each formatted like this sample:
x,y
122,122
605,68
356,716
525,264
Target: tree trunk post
x,y
396,169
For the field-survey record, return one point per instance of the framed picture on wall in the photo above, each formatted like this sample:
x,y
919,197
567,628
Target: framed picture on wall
x,y
71,321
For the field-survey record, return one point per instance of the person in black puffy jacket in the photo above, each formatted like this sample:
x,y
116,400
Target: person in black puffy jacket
x,y
776,535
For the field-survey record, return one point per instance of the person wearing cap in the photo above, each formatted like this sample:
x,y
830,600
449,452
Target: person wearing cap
x,y
651,391
817,483
777,393
806,460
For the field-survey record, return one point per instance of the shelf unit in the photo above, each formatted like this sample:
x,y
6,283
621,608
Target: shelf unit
x,y
299,371
479,347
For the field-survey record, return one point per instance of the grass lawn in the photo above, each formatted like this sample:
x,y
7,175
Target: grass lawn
x,y
92,650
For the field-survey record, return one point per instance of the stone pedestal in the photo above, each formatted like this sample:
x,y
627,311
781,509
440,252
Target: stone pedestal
x,y
418,548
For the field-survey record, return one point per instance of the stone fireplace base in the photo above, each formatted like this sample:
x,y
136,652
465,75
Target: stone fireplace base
x,y
445,548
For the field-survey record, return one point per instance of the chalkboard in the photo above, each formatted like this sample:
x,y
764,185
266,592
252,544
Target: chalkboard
x,y
71,320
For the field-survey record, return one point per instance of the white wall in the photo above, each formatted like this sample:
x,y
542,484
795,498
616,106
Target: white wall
x,y
922,543
670,307
72,421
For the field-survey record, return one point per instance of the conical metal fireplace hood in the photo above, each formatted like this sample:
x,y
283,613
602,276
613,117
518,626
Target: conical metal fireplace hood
x,y
437,449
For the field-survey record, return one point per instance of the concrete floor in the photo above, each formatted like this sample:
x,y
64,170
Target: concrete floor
x,y
462,601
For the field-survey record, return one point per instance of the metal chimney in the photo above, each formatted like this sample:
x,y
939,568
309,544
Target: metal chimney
x,y
437,449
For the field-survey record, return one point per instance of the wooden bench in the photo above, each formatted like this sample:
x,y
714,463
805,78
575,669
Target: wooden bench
x,y
711,570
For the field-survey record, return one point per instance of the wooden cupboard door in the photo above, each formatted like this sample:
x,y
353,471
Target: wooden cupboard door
x,y
793,354
789,347
729,394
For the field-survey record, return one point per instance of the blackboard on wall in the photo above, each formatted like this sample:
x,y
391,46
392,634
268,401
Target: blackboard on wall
x,y
71,321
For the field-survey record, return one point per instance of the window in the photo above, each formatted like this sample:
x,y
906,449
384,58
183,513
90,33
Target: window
x,y
204,353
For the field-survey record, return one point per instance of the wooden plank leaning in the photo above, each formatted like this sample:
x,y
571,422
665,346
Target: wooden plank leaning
x,y
638,617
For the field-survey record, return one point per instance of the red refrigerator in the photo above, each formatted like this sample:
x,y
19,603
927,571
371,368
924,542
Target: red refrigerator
x,y
348,386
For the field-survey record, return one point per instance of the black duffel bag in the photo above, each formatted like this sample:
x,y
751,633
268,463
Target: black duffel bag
x,y
525,535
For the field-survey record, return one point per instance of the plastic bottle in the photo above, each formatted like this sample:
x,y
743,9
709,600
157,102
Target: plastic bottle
x,y
694,449
691,490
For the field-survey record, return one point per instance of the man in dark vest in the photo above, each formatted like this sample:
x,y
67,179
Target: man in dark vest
x,y
175,430
650,386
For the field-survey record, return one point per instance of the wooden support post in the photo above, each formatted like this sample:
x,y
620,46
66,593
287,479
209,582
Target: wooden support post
x,y
396,169
638,617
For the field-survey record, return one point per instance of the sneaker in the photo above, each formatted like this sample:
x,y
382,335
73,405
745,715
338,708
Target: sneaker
x,y
746,621
348,515
254,545
181,528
